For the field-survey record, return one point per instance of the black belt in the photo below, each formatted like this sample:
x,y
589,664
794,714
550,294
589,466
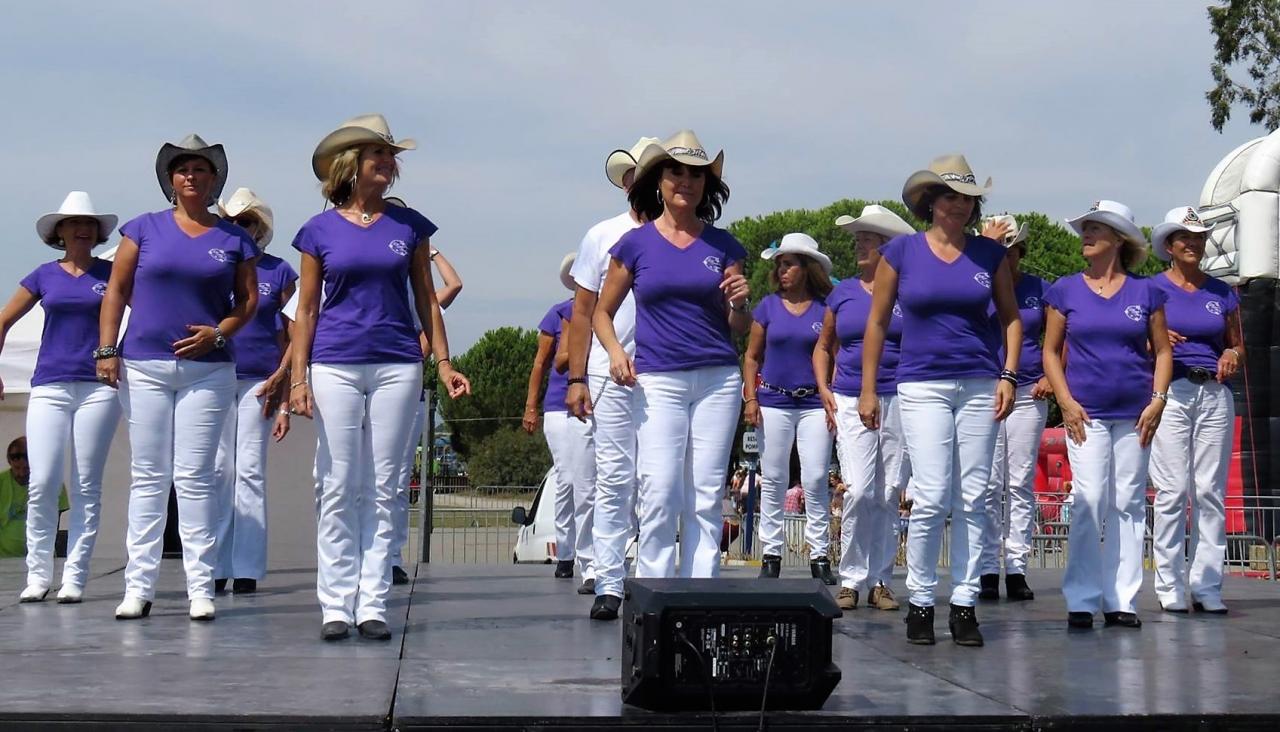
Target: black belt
x,y
799,393
1197,375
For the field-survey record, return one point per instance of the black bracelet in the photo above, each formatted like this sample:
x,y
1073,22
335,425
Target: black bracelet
x,y
576,380
1009,376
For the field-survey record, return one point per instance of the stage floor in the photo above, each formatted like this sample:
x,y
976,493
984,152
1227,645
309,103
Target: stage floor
x,y
511,648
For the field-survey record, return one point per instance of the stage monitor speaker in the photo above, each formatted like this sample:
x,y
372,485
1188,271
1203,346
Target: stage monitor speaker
x,y
682,636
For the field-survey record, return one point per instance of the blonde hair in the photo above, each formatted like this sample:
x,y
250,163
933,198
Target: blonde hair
x,y
340,183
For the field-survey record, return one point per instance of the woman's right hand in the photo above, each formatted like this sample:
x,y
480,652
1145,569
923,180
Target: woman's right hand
x,y
869,410
751,412
530,420
108,370
300,399
622,368
1074,419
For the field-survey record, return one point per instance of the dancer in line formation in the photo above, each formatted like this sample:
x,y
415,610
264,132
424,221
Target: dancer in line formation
x,y
927,368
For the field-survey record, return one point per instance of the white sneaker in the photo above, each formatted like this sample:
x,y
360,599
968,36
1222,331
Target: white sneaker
x,y
1212,605
202,609
70,594
33,593
132,608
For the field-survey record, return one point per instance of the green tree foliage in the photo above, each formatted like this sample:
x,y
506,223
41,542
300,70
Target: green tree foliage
x,y
507,456
498,367
1247,41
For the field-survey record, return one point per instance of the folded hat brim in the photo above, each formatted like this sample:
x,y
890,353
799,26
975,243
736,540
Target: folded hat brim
x,y
823,260
169,152
885,225
1125,227
1163,231
47,226
656,154
617,165
922,180
345,137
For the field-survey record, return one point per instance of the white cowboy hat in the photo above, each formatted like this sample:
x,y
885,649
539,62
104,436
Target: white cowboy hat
x,y
1182,218
952,171
566,279
77,203
1114,214
802,244
362,130
621,161
1017,232
246,201
682,147
877,220
192,144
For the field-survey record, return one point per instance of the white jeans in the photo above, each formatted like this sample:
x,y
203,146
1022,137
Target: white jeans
x,y
1109,477
871,468
240,474
354,529
176,410
555,428
1012,505
950,430
807,429
400,519
582,456
614,433
82,415
1192,451
685,422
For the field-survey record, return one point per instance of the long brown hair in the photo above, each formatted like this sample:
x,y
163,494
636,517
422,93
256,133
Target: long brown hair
x,y
816,279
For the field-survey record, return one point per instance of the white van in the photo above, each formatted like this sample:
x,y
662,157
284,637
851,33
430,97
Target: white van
x,y
536,541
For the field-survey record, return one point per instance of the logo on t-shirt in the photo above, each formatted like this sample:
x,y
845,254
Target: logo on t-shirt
x,y
984,279
264,288
217,255
713,264
1214,307
1136,313
897,310
1031,303
100,288
817,327
399,247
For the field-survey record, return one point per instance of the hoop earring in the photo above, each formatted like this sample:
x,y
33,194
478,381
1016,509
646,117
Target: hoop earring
x,y
662,205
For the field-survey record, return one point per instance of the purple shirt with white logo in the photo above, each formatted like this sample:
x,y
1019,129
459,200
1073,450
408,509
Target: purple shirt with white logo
x,y
946,331
1109,369
557,383
71,305
365,314
257,343
1028,291
681,318
788,351
1201,318
850,303
180,280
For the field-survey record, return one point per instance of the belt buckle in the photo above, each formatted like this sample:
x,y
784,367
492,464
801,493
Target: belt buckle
x,y
803,392
1198,375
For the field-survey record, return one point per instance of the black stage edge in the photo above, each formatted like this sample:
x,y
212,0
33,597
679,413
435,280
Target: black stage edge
x,y
511,648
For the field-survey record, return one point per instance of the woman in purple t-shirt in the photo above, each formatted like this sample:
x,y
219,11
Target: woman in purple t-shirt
x,y
871,461
782,399
952,391
690,294
356,357
180,270
66,399
1112,393
1192,446
241,467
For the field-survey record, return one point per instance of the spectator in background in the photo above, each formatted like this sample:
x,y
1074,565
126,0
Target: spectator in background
x,y
793,504
13,501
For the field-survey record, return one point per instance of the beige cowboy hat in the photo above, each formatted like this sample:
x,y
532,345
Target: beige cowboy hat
x,y
76,204
802,244
876,219
1182,218
952,171
620,161
566,265
245,201
362,130
1017,232
192,144
682,147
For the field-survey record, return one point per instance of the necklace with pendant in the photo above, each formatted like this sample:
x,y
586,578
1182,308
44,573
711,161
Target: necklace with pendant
x,y
365,218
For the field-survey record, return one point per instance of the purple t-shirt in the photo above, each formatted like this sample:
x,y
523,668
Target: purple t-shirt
x,y
179,281
851,305
257,346
557,383
788,351
365,314
1200,317
681,318
71,305
1028,292
1109,368
946,333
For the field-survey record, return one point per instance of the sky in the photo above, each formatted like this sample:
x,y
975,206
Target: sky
x,y
516,105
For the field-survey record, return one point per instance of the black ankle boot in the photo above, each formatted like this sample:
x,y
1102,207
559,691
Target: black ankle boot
x,y
821,569
919,622
771,565
964,626
990,587
564,569
1016,589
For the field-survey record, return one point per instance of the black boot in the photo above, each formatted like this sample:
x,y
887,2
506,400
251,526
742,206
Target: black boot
x,y
606,607
919,622
821,569
564,569
771,566
990,587
399,576
1016,589
964,626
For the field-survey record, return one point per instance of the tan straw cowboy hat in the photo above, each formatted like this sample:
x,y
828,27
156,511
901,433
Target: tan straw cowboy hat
x,y
363,130
682,147
876,219
620,161
952,171
245,201
192,144
76,204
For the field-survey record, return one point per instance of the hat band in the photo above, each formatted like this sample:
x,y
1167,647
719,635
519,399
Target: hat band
x,y
958,178
695,152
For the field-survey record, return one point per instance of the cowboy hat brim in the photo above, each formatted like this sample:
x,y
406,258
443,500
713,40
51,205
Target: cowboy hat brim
x,y
47,226
1127,229
566,278
231,210
656,154
617,165
216,156
345,137
922,180
886,225
1161,232
823,260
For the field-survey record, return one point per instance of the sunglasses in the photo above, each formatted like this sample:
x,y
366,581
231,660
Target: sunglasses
x,y
17,456
245,222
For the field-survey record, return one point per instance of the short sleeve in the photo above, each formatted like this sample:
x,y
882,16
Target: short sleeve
x,y
32,283
422,226
1232,300
1157,297
627,250
1055,296
763,311
551,322
586,266
133,229
305,241
733,249
895,251
288,275
244,245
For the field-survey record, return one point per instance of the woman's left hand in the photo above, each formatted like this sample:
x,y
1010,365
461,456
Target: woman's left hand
x,y
198,343
1228,365
1042,390
455,384
281,426
735,288
1149,420
1005,395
